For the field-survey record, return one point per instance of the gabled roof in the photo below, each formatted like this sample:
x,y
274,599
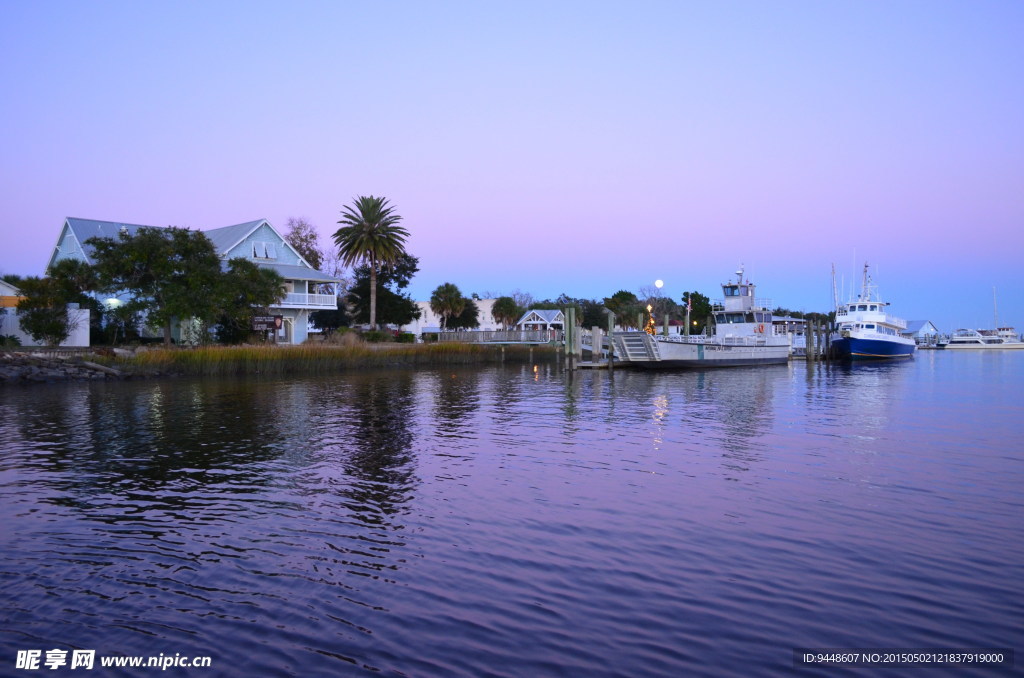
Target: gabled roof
x,y
916,326
83,229
548,315
227,237
224,239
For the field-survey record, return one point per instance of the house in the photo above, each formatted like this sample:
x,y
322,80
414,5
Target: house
x,y
541,319
921,331
10,325
306,289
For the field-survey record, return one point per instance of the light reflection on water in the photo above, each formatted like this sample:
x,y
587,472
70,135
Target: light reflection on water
x,y
518,521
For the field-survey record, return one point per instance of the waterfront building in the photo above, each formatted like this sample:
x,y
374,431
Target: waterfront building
x,y
306,289
430,322
921,331
541,319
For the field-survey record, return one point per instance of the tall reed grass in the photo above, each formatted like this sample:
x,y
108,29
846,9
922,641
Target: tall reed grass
x,y
308,359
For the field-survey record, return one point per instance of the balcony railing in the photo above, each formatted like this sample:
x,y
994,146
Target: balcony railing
x,y
309,300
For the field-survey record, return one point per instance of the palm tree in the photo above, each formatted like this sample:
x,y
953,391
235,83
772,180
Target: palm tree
x,y
506,311
370,233
447,301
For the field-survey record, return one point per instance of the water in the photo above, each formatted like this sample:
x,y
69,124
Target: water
x,y
518,522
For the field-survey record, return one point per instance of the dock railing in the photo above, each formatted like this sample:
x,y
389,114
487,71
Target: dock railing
x,y
502,336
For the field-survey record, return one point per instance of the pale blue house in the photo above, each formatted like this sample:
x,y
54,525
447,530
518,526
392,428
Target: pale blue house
x,y
307,289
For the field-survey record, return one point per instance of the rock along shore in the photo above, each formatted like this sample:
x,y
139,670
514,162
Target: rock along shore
x,y
41,366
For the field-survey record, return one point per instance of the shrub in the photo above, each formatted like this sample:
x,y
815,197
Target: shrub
x,y
378,336
406,338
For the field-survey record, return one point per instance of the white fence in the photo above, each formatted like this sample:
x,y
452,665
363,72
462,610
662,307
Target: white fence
x,y
79,322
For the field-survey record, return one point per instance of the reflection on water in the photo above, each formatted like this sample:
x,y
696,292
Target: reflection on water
x,y
519,520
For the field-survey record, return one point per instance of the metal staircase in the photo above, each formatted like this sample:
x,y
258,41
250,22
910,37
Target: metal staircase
x,y
635,347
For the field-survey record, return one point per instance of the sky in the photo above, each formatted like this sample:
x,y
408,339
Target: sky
x,y
546,147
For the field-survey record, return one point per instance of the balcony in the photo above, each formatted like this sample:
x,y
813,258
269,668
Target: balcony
x,y
302,300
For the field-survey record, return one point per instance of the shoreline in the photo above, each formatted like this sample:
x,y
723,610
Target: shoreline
x,y
106,364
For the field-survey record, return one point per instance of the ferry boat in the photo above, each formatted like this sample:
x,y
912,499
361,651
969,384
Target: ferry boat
x,y
999,339
866,331
743,335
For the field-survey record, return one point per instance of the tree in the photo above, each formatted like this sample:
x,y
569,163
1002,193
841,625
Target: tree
x,y
626,308
506,311
176,273
700,311
169,273
245,290
303,237
370,234
75,279
468,319
523,300
447,301
43,310
393,307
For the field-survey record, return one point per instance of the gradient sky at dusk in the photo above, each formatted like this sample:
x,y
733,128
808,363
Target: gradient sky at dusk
x,y
576,147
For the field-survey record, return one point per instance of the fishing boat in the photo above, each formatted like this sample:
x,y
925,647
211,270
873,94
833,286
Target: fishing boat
x,y
742,335
866,331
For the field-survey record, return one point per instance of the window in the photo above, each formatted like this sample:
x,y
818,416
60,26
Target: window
x,y
874,307
862,307
869,326
264,250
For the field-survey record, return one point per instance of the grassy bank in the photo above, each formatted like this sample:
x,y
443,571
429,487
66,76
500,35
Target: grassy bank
x,y
310,359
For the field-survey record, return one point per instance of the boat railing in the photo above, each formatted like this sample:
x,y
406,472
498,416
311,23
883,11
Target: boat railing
x,y
896,322
724,341
759,302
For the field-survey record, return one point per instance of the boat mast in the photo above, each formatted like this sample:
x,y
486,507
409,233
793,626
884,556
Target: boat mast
x,y
995,309
835,293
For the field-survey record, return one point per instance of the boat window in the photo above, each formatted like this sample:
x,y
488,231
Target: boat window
x,y
731,291
874,307
862,307
869,326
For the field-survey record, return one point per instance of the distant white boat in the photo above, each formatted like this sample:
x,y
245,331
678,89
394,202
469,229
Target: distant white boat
x,y
1000,338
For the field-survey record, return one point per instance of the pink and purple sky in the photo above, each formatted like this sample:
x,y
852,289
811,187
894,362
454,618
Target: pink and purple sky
x,y
577,147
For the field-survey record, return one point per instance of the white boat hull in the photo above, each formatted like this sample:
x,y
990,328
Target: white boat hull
x,y
675,355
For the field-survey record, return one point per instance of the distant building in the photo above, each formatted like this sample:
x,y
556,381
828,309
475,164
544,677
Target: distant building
x,y
541,319
921,331
431,322
307,289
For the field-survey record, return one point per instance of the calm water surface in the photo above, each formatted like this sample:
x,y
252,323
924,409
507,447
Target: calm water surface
x,y
518,522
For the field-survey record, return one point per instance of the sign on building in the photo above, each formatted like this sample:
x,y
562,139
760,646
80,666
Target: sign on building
x,y
267,323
